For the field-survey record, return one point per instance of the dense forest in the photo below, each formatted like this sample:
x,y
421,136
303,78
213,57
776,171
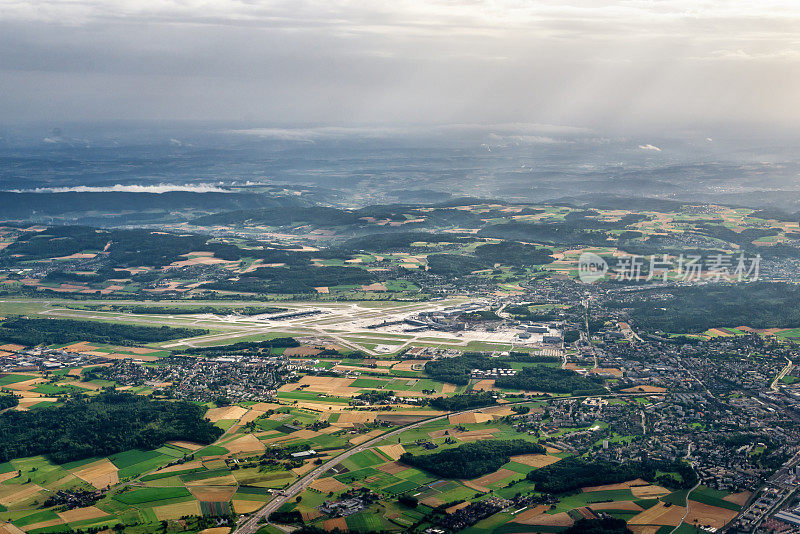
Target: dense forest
x,y
688,309
463,402
550,380
471,460
297,279
455,265
456,370
100,426
573,473
8,401
58,331
513,253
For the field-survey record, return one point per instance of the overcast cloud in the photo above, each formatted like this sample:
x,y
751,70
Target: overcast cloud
x,y
568,62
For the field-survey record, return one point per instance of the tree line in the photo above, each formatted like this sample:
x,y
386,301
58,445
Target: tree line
x,y
30,332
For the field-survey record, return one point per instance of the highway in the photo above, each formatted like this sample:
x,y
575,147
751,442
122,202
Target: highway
x,y
251,525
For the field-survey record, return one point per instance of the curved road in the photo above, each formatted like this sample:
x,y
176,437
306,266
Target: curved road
x,y
252,524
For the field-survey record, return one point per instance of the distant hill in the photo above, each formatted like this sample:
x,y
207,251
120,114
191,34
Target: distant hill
x,y
16,206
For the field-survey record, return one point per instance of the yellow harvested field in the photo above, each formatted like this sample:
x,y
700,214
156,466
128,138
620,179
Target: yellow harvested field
x,y
215,530
468,418
392,451
432,502
358,440
194,464
408,365
360,369
491,478
304,434
99,474
643,529
648,492
26,402
336,523
356,417
324,384
15,494
26,385
140,350
226,412
709,516
303,469
561,519
8,476
187,445
303,351
326,485
8,528
738,498
526,515
264,406
245,507
44,524
392,468
719,333
213,493
485,385
11,347
498,411
448,388
176,511
606,487
660,514
247,443
617,505
252,415
81,514
535,460
308,514
456,507
225,480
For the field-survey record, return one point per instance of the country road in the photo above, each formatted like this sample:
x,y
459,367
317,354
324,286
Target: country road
x,y
251,525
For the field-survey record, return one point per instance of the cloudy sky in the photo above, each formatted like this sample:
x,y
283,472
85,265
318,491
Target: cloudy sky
x,y
570,62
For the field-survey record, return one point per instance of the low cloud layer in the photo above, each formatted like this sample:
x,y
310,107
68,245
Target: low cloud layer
x,y
575,62
160,188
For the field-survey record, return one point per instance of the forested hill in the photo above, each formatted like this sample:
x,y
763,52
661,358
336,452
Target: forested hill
x,y
15,205
103,425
